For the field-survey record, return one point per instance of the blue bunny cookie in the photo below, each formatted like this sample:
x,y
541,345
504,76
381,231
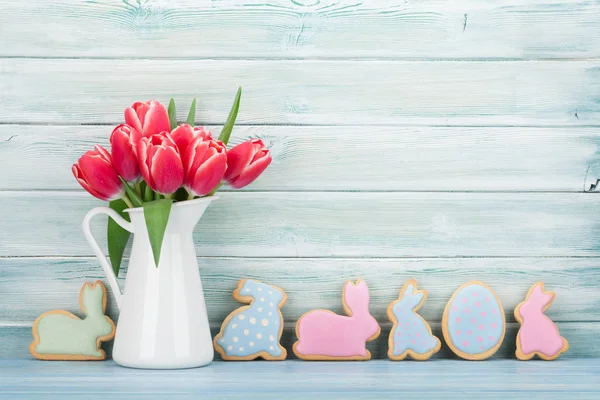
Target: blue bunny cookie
x,y
254,330
411,334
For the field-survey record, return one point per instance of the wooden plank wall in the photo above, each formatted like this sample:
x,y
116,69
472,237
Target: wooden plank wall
x,y
441,140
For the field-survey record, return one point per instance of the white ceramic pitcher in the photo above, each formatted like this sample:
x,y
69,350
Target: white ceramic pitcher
x,y
163,322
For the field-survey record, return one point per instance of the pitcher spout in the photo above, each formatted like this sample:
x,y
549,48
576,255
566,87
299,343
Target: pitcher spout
x,y
184,214
189,212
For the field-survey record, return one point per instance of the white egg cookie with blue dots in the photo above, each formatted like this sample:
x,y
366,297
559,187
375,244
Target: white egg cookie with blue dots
x,y
254,330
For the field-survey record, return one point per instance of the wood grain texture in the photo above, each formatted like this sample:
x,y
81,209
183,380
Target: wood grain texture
x,y
335,224
307,28
294,380
349,158
31,286
76,91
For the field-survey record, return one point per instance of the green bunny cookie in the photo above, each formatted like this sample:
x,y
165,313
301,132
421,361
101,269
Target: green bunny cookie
x,y
60,335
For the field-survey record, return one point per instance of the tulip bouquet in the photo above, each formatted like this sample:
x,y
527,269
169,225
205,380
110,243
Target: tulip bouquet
x,y
154,162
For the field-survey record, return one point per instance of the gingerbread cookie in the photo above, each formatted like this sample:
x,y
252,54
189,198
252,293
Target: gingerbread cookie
x,y
324,335
474,323
60,335
538,334
254,330
410,335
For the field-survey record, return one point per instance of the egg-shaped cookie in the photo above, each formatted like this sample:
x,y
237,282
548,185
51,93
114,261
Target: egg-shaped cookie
x,y
473,322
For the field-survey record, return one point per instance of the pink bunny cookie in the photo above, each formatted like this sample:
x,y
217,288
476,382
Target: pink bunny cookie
x,y
324,335
538,335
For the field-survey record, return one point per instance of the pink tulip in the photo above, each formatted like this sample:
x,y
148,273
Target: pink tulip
x,y
149,118
160,163
123,141
95,172
184,134
245,162
205,163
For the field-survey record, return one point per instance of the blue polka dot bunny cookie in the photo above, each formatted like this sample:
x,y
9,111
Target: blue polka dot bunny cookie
x,y
410,335
254,330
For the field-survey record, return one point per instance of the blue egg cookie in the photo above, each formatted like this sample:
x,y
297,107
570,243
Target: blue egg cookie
x,y
473,322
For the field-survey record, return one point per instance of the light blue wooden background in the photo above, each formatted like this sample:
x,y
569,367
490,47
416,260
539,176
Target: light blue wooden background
x,y
441,140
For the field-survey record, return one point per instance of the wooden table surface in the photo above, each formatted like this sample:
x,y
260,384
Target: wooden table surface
x,y
291,380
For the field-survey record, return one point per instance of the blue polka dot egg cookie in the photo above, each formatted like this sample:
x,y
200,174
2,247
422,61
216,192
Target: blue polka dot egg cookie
x,y
473,322
410,335
254,330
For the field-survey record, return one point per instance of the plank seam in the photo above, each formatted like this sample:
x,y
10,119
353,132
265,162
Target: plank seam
x,y
312,58
56,191
375,191
294,125
91,257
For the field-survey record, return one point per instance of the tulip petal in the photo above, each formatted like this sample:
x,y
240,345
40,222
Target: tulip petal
x,y
102,152
185,134
156,119
203,152
131,119
96,174
148,118
237,159
143,161
124,152
207,176
193,155
78,175
141,109
252,172
167,170
203,132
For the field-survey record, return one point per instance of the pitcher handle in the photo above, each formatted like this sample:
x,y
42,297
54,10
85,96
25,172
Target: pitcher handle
x,y
108,271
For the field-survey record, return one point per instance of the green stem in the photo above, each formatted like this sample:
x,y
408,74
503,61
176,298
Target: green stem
x,y
190,196
138,188
215,189
135,199
127,201
168,196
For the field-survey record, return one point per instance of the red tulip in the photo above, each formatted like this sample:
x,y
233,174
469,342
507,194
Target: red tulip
x,y
123,141
160,163
149,118
95,172
205,163
184,134
245,162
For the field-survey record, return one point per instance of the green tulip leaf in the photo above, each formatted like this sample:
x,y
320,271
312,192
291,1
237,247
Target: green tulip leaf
x,y
135,199
228,127
156,214
172,114
117,236
191,119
